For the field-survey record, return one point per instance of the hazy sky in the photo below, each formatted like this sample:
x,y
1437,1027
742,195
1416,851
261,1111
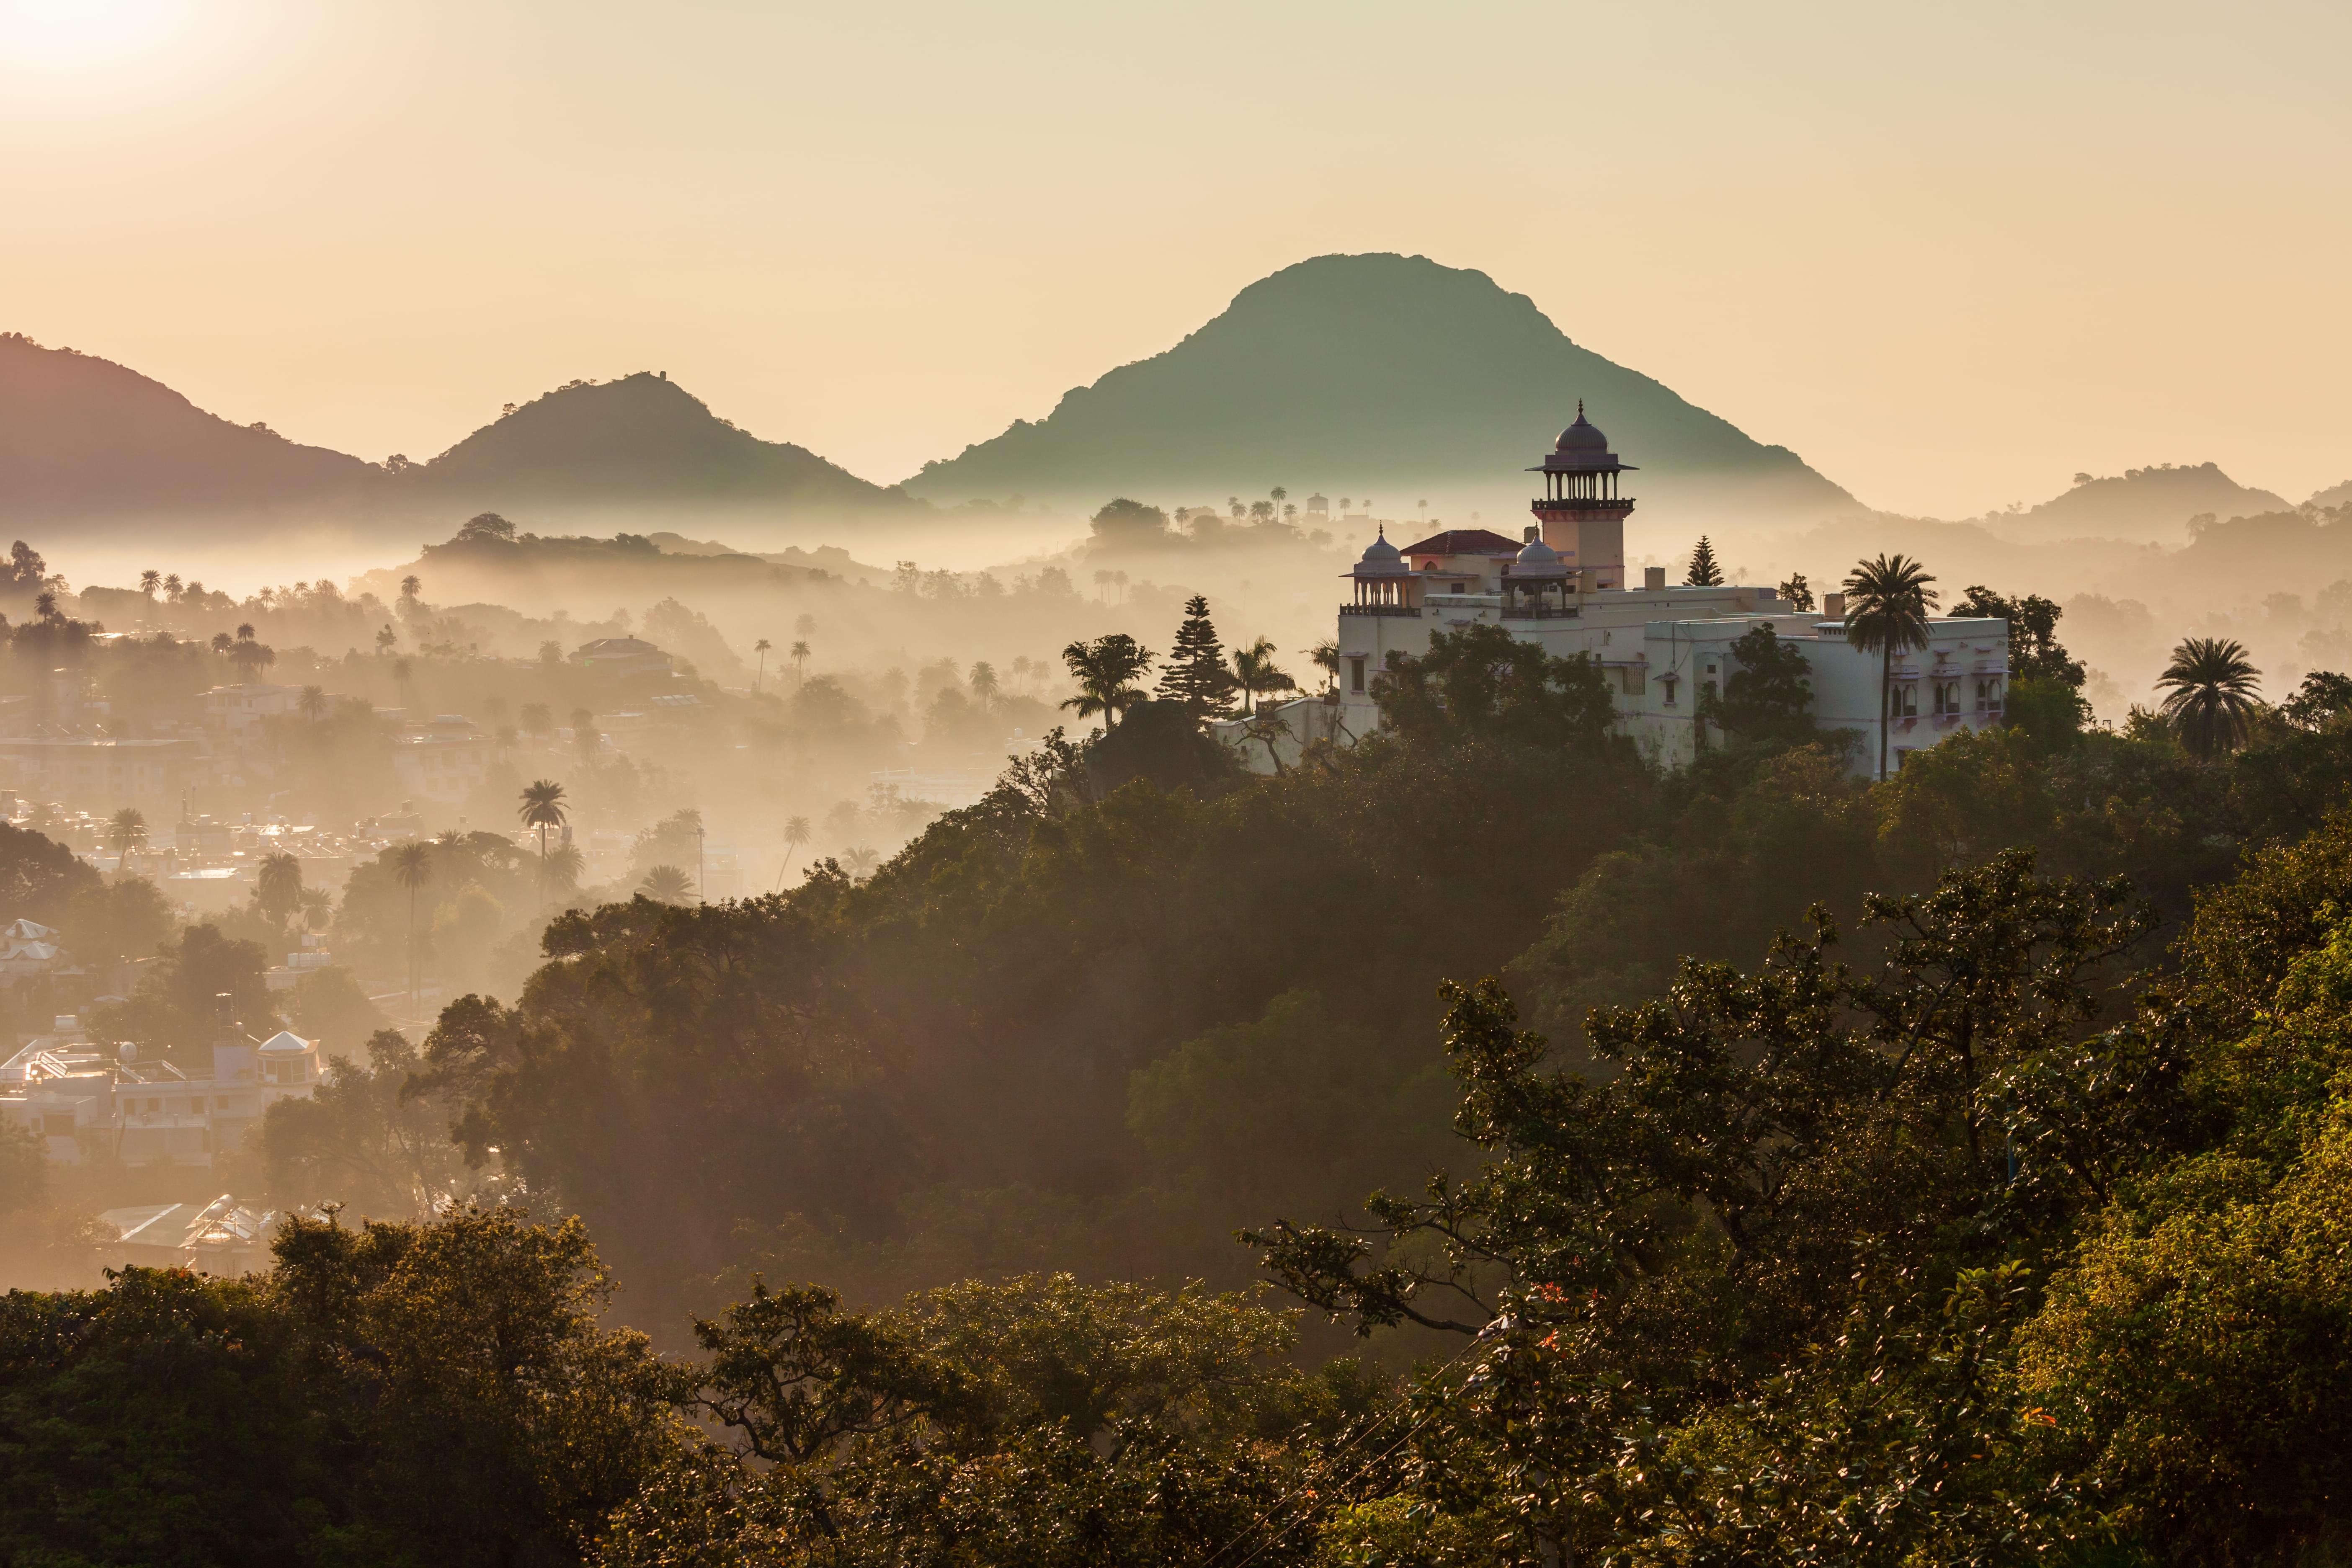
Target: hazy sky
x,y
1951,254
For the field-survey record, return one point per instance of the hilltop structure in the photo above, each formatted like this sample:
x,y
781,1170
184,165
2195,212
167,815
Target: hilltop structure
x,y
1562,588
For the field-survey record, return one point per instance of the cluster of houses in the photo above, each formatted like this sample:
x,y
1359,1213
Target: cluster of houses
x,y
86,1099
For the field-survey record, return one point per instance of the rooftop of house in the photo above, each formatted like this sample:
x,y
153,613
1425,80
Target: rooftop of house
x,y
1465,542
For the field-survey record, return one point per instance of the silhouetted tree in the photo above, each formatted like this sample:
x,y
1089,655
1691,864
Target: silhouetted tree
x,y
2213,693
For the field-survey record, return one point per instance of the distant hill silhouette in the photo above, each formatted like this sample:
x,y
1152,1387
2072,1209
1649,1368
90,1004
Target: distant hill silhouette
x,y
82,436
2333,496
640,438
2154,503
85,439
1375,371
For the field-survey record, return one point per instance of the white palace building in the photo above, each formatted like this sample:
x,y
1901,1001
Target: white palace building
x,y
1562,587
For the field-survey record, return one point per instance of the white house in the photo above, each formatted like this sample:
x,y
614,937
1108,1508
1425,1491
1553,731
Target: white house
x,y
445,761
1562,587
86,1099
164,1115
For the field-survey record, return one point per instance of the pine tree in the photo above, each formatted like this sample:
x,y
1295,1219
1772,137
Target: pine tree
x,y
1704,571
1196,674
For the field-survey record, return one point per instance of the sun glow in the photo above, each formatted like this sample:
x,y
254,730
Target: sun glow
x,y
66,35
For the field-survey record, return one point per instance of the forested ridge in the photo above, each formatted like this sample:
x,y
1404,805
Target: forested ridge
x,y
1950,1170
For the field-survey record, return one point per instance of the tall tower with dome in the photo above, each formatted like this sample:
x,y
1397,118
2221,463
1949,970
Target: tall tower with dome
x,y
1581,512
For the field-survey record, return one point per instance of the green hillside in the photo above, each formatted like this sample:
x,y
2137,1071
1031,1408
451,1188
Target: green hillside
x,y
1365,372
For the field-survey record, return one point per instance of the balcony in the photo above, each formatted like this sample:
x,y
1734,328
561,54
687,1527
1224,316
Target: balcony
x,y
1541,612
1583,503
1413,610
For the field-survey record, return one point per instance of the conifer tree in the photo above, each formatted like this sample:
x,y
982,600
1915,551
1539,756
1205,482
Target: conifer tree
x,y
1196,674
1704,571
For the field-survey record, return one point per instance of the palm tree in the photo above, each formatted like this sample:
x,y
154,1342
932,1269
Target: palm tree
x,y
796,833
1107,670
583,735
560,869
1886,605
172,589
542,808
1326,657
666,885
312,703
860,860
278,887
983,682
125,829
800,655
761,647
412,868
149,581
1254,671
2215,693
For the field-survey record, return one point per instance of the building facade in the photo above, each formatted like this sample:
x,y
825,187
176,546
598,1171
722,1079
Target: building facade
x,y
1562,587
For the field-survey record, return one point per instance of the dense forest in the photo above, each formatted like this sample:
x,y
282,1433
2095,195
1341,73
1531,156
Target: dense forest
x,y
1953,1169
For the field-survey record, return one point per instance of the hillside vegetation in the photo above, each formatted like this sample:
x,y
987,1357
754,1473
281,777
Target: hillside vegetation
x,y
1992,1211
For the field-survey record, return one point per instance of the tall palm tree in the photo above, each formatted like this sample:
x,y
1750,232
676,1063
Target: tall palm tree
x,y
666,885
800,657
312,703
542,808
126,829
412,868
1886,605
279,887
1106,670
796,833
1256,673
861,861
761,647
149,581
2215,691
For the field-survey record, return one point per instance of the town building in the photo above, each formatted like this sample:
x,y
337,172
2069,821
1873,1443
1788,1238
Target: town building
x,y
101,773
1562,587
621,657
237,710
89,1099
445,761
225,1238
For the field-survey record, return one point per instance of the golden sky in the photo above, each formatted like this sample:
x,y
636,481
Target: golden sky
x,y
1949,253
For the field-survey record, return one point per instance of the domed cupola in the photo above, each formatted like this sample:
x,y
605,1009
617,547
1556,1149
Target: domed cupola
x,y
1582,437
1381,559
1537,559
1385,583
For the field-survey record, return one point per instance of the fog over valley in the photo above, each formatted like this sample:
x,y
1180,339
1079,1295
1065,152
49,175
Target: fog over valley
x,y
1212,789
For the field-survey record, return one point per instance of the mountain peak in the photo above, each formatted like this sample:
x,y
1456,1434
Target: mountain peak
x,y
1344,372
640,437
